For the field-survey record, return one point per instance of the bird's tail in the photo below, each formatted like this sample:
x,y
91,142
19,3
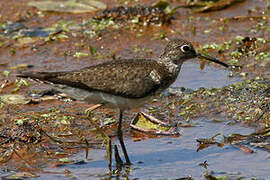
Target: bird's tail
x,y
38,75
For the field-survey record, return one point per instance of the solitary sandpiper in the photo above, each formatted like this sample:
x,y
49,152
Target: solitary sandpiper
x,y
123,84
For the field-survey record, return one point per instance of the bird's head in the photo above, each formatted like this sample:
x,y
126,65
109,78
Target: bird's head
x,y
179,50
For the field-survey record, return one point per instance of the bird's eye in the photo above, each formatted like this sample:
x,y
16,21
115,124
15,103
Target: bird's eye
x,y
185,48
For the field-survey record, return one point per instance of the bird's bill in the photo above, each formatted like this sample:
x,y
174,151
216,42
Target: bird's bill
x,y
209,58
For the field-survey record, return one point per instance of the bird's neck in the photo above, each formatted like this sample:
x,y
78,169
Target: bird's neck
x,y
171,67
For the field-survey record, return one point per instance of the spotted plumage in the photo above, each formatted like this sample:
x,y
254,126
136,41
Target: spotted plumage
x,y
127,78
123,84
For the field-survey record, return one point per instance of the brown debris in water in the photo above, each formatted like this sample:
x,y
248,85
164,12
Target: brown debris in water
x,y
210,5
25,132
206,142
247,45
245,143
16,142
148,15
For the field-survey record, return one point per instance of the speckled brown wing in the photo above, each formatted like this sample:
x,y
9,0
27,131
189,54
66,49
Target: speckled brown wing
x,y
126,78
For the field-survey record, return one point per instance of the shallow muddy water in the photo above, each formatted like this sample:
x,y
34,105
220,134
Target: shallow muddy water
x,y
154,158
174,158
191,76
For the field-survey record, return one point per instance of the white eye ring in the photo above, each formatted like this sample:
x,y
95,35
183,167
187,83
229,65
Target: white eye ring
x,y
185,48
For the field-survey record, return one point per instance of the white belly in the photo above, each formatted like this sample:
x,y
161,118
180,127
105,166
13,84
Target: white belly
x,y
109,101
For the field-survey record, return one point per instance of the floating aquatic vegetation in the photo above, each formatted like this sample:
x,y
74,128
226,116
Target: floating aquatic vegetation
x,y
206,142
241,47
212,175
245,143
14,139
26,132
24,139
246,102
136,14
159,13
247,45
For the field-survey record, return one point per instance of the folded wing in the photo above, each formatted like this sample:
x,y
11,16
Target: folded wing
x,y
126,78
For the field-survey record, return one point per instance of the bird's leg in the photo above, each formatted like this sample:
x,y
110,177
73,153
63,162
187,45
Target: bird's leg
x,y
106,138
119,162
120,137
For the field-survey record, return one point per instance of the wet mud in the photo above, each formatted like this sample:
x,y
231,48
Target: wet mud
x,y
47,135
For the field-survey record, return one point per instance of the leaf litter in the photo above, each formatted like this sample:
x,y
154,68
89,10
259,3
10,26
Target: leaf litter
x,y
70,6
210,5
